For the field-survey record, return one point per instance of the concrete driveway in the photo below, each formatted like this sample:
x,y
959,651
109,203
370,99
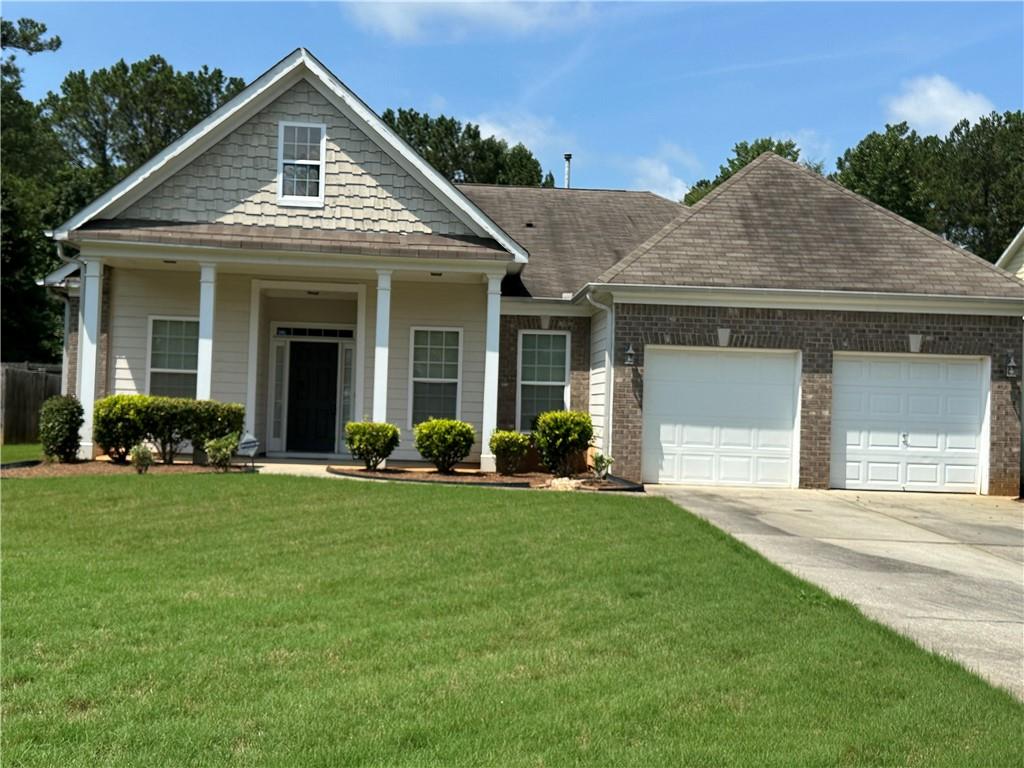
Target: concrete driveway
x,y
945,570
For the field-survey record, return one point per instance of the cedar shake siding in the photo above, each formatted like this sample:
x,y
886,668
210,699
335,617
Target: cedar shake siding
x,y
817,334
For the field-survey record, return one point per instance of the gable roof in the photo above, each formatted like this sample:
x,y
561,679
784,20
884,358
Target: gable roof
x,y
295,66
573,235
778,225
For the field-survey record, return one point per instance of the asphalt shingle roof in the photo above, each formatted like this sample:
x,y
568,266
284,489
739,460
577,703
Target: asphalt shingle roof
x,y
776,224
571,235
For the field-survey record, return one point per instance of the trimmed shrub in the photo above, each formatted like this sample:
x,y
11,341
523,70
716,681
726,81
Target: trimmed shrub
x,y
209,420
559,436
141,458
166,420
444,442
117,424
60,418
371,441
509,449
221,450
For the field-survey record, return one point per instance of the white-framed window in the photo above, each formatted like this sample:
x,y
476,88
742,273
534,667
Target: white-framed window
x,y
172,356
435,374
543,375
301,153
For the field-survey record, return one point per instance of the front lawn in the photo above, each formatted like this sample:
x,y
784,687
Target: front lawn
x,y
20,452
247,620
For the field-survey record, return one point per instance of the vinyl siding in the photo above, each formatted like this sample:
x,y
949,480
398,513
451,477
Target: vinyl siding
x,y
235,181
598,372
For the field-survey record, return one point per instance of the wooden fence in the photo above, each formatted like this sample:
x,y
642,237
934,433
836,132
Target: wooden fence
x,y
23,388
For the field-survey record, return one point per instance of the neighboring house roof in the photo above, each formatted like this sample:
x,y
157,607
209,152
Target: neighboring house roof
x,y
296,65
291,239
1012,259
572,235
776,224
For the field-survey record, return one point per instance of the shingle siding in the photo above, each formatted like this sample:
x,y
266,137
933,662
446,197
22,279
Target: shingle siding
x,y
817,334
235,181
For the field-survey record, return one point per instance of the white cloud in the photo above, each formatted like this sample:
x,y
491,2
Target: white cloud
x,y
813,146
413,20
935,104
537,132
661,173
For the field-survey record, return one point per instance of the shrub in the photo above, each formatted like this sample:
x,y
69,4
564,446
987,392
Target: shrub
x,y
221,450
165,421
559,436
444,442
141,458
509,449
60,418
602,464
117,424
207,420
371,441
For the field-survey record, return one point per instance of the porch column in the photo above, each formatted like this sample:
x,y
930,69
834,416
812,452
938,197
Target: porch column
x,y
88,344
207,295
380,340
490,416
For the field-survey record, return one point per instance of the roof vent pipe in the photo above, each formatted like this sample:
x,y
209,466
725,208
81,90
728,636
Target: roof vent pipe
x,y
568,163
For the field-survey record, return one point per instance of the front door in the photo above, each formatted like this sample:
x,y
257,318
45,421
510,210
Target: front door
x,y
312,396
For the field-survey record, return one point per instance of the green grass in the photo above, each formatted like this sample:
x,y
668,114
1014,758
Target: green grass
x,y
20,452
245,620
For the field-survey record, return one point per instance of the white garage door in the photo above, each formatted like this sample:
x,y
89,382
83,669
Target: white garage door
x,y
719,417
909,423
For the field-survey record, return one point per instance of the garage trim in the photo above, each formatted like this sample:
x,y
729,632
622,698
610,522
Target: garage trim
x,y
985,432
797,392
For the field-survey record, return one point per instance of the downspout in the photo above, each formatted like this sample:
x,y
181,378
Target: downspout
x,y
609,371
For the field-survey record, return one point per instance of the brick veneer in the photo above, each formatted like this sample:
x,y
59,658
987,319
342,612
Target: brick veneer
x,y
103,353
508,356
817,334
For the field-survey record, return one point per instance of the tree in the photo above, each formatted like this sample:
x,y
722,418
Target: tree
x,y
742,154
459,151
549,180
897,169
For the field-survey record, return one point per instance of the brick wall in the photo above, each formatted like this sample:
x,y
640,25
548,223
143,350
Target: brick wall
x,y
817,335
508,357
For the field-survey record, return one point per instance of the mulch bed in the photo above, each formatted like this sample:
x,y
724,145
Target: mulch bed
x,y
474,477
79,468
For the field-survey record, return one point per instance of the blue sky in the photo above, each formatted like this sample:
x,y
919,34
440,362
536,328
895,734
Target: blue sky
x,y
645,95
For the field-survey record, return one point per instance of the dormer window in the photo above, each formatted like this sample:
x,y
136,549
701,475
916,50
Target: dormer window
x,y
300,163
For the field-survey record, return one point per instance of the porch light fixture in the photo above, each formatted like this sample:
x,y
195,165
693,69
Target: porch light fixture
x,y
629,357
723,336
915,342
1012,369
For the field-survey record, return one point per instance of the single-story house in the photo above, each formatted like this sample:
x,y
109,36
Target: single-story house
x,y
293,254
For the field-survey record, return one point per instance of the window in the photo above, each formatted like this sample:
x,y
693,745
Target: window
x,y
543,374
301,164
173,356
436,369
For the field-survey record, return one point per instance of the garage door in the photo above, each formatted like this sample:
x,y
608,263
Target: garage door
x,y
907,422
719,417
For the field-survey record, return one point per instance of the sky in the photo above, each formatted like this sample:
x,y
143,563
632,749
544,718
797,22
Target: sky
x,y
645,95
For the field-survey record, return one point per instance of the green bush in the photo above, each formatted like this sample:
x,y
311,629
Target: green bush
x,y
559,436
602,464
166,420
141,458
208,420
60,418
509,449
117,424
221,450
371,441
444,442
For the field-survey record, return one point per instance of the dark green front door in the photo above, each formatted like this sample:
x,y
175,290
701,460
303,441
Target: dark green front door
x,y
312,396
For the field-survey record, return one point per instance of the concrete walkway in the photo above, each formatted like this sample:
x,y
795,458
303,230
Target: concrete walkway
x,y
945,570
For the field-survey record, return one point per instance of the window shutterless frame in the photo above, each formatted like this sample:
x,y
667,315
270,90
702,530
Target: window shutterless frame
x,y
414,379
149,348
519,371
301,200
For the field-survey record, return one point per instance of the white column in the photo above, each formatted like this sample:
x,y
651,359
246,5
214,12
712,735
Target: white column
x,y
207,302
88,343
380,352
490,417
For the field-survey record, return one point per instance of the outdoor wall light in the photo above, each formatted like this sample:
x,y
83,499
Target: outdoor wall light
x,y
1012,369
629,358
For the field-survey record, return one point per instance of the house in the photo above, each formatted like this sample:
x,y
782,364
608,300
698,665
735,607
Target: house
x,y
293,254
1012,259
